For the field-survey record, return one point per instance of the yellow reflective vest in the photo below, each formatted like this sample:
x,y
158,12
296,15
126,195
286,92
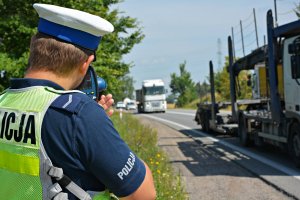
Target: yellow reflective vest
x,y
24,164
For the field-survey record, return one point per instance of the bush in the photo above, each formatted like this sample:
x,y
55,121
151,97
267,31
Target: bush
x,y
14,68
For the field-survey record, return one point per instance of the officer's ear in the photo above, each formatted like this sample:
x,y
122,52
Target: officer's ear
x,y
85,66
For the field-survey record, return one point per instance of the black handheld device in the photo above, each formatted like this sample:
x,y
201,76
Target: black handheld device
x,y
92,85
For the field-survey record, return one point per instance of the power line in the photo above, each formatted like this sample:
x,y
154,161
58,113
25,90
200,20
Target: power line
x,y
248,25
249,34
243,33
250,43
247,18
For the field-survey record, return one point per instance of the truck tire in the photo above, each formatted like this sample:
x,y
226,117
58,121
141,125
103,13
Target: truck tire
x,y
294,143
242,131
197,118
203,122
140,108
206,122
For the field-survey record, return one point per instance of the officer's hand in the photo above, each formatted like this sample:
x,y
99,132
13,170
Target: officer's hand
x,y
106,102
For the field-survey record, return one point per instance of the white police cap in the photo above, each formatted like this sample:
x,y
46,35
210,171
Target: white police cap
x,y
73,26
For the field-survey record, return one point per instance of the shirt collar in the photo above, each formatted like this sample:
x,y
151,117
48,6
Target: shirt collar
x,y
18,83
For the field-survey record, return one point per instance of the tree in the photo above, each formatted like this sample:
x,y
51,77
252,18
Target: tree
x,y
171,98
126,88
183,86
202,89
222,84
12,67
18,21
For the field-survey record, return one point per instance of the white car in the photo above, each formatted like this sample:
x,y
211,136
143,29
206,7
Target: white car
x,y
120,105
130,106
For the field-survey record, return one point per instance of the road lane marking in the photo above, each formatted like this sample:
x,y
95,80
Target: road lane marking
x,y
180,113
279,167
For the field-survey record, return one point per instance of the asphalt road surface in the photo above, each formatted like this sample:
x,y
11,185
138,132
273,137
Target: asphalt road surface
x,y
215,166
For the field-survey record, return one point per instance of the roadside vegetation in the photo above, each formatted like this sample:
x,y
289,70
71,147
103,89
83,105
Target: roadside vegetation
x,y
18,22
143,141
186,93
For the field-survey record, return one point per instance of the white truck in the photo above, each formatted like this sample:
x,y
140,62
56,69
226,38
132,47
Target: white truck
x,y
152,96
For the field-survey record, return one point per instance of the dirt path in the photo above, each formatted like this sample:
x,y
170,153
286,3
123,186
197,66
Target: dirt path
x,y
208,175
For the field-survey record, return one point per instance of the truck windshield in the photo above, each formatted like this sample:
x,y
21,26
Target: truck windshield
x,y
155,90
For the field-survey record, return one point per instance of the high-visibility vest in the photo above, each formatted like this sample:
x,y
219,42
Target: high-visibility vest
x,y
24,164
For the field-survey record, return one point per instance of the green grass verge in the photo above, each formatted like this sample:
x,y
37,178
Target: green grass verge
x,y
143,141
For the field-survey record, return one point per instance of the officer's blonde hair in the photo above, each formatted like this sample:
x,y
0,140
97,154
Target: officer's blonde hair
x,y
49,54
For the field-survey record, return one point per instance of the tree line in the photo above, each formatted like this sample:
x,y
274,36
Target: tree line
x,y
185,90
18,23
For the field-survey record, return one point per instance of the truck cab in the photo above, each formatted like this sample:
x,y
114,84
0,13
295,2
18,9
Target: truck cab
x,y
291,80
152,96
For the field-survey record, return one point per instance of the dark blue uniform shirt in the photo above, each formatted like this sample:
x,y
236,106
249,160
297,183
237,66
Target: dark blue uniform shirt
x,y
80,138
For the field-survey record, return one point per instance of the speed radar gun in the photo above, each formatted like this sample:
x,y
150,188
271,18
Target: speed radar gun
x,y
92,85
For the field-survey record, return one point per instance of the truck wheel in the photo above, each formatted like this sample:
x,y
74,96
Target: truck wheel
x,y
197,118
207,129
205,119
294,143
205,122
242,132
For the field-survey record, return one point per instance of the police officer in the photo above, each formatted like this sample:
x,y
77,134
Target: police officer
x,y
50,130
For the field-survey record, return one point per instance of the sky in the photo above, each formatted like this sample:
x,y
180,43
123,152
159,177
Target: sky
x,y
195,31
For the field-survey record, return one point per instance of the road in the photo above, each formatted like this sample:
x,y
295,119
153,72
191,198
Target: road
x,y
217,167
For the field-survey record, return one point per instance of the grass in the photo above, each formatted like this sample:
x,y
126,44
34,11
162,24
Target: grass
x,y
192,105
143,141
171,106
206,98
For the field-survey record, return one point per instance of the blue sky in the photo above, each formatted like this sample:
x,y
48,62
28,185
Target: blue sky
x,y
177,31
